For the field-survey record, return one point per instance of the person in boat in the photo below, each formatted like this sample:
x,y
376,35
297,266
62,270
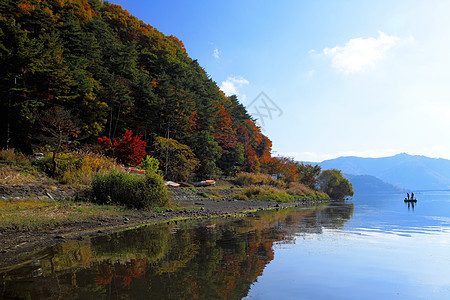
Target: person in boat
x,y
412,196
407,196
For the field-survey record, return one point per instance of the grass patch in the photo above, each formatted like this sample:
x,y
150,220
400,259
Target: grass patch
x,y
200,193
38,212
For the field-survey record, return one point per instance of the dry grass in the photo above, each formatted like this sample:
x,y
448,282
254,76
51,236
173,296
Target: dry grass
x,y
248,179
270,193
264,193
301,191
16,175
10,175
78,167
12,155
90,165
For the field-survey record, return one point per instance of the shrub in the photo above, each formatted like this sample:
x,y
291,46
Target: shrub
x,y
133,191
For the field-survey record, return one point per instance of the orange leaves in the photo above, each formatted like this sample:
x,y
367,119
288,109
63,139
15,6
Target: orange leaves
x,y
253,131
193,122
284,167
224,133
178,42
258,147
25,7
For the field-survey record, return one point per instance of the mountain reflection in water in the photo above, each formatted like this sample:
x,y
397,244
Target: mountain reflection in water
x,y
202,259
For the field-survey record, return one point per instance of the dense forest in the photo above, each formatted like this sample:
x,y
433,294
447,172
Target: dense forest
x,y
113,76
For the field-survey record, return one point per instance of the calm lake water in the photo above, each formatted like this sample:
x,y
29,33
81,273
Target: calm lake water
x,y
373,247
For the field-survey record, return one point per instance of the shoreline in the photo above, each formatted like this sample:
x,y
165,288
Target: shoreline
x,y
17,241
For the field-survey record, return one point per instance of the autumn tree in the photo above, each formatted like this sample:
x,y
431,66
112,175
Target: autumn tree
x,y
283,167
308,174
177,160
223,129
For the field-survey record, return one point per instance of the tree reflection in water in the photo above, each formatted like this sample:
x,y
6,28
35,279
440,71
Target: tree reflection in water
x,y
189,260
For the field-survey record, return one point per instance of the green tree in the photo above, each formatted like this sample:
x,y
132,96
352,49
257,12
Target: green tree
x,y
150,164
335,184
207,150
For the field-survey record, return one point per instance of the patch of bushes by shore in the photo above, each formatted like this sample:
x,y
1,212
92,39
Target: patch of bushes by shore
x,y
266,188
133,191
77,167
106,181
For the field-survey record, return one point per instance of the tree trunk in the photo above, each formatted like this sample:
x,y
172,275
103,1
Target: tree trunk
x,y
53,172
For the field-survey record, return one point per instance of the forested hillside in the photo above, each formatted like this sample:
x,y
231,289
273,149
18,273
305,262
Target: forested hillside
x,y
112,73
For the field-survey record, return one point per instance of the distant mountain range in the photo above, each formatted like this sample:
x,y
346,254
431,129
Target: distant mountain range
x,y
411,172
367,184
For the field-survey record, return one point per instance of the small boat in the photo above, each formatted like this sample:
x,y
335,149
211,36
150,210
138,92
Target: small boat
x,y
205,183
410,200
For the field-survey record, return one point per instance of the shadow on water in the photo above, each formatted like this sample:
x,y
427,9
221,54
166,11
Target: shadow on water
x,y
410,205
206,259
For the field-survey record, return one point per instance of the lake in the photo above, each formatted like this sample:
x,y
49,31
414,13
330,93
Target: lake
x,y
372,247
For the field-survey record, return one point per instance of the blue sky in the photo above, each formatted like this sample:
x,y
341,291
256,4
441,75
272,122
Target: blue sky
x,y
364,78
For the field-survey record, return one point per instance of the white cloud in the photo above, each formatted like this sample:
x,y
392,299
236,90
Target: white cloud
x,y
232,84
360,54
216,53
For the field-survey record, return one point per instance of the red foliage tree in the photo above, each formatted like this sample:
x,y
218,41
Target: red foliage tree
x,y
105,143
129,150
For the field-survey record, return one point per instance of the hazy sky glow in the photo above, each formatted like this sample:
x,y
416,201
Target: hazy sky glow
x,y
364,78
